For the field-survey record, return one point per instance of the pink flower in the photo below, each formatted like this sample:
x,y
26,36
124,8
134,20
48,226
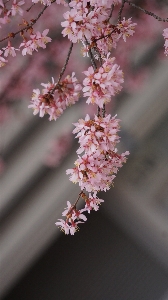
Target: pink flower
x,y
9,50
40,40
165,35
72,213
45,2
16,8
63,226
110,40
126,28
3,61
70,228
37,40
27,47
92,202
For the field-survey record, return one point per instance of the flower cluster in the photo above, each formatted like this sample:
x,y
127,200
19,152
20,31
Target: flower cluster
x,y
165,34
14,9
55,98
109,36
82,22
96,169
74,216
9,50
89,22
126,28
37,40
103,83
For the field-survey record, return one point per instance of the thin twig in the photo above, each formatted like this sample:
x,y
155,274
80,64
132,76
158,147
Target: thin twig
x,y
62,71
111,11
66,62
74,205
78,198
147,12
98,111
28,9
104,110
94,67
120,11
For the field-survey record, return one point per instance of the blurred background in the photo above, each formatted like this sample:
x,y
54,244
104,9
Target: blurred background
x,y
121,253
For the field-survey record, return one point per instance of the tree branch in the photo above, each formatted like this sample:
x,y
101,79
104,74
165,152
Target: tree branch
x,y
147,12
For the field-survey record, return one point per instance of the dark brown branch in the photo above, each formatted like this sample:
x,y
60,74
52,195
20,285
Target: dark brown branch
x,y
66,62
111,11
120,11
147,12
28,9
94,67
63,70
103,110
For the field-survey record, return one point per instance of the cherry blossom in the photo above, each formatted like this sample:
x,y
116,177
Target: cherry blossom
x,y
165,34
71,212
3,61
45,2
92,202
66,227
37,40
16,8
10,50
73,216
126,28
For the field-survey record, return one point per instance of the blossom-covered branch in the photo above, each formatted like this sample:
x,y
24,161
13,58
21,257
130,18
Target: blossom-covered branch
x,y
100,26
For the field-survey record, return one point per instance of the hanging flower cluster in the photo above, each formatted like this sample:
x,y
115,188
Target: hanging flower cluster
x,y
74,216
95,170
55,97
